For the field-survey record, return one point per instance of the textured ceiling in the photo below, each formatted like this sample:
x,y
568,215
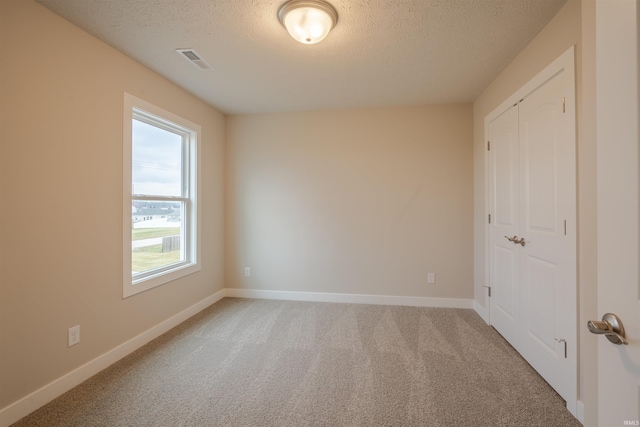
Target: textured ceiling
x,y
381,53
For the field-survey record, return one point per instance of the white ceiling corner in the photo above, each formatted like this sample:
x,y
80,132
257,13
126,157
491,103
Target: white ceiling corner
x,y
381,53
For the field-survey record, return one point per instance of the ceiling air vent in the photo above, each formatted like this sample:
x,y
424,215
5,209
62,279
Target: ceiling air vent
x,y
193,57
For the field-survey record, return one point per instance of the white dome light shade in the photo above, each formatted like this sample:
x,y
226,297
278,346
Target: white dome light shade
x,y
308,21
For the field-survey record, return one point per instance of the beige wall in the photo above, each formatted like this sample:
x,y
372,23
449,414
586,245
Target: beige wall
x,y
562,32
357,201
61,207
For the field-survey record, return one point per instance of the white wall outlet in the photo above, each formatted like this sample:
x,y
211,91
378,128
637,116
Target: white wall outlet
x,y
74,335
431,278
247,272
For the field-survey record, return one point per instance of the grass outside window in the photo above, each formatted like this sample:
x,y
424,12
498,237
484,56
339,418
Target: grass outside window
x,y
150,233
150,257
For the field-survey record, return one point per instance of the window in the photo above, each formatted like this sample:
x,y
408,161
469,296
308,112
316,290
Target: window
x,y
160,196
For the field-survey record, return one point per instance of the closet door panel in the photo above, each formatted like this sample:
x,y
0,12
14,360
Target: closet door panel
x,y
504,257
541,298
547,261
539,168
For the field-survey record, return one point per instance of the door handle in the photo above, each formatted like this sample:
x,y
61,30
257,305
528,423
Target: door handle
x,y
610,326
515,240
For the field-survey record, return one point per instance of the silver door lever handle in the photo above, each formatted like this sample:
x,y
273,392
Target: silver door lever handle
x,y
610,326
515,240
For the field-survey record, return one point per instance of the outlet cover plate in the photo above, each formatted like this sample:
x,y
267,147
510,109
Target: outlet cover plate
x,y
74,335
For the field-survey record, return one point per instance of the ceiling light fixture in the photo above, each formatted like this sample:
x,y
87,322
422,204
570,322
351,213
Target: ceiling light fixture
x,y
308,21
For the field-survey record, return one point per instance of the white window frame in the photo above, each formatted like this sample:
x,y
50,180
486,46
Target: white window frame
x,y
136,108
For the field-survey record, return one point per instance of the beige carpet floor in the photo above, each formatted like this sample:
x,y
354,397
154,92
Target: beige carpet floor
x,y
280,363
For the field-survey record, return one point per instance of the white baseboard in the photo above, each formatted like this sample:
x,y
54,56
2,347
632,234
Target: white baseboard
x,y
482,312
47,393
351,298
579,414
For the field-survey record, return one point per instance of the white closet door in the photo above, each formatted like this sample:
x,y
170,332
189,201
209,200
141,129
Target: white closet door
x,y
547,223
504,190
532,191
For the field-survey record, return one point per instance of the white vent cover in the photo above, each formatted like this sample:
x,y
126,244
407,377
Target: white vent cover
x,y
193,57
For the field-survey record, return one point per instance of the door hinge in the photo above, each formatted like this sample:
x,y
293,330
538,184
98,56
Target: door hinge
x,y
488,289
488,145
489,218
565,227
564,105
562,340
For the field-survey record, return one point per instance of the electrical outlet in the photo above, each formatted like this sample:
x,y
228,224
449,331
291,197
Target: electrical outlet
x,y
74,335
431,278
247,272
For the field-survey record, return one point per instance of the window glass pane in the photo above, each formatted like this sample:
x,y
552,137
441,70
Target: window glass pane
x,y
156,161
157,237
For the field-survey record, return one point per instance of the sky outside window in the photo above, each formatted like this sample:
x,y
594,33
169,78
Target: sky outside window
x,y
157,161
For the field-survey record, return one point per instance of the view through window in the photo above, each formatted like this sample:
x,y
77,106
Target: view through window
x,y
158,201
160,196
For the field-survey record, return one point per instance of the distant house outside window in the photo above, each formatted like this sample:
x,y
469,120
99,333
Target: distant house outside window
x,y
160,196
